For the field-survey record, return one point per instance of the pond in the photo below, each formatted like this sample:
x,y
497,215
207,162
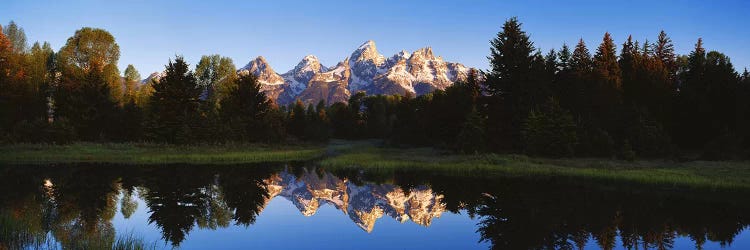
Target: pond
x,y
300,206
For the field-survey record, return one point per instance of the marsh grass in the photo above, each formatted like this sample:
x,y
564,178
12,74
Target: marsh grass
x,y
712,175
372,155
131,153
25,232
132,242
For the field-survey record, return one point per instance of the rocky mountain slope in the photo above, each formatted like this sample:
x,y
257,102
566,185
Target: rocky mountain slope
x,y
404,73
365,69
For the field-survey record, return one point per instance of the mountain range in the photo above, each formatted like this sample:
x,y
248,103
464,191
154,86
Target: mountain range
x,y
367,70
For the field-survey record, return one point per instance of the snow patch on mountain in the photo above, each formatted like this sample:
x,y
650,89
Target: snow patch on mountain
x,y
415,73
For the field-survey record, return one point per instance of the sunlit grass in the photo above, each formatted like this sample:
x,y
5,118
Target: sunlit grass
x,y
154,153
723,175
368,154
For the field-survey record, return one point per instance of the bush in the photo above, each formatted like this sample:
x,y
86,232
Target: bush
x,y
647,136
725,146
549,131
600,143
471,137
42,131
626,152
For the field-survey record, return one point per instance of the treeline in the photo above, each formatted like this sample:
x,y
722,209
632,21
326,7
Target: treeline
x,y
647,101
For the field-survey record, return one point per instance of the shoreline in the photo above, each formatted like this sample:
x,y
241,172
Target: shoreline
x,y
368,155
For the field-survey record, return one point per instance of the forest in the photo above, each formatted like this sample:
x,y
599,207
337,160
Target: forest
x,y
632,100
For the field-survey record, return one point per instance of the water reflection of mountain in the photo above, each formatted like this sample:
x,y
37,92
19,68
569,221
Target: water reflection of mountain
x,y
363,203
74,206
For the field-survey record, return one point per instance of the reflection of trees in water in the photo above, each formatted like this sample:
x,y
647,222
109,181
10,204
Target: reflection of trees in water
x,y
174,203
246,197
202,197
86,202
556,213
128,204
79,203
75,207
25,212
565,217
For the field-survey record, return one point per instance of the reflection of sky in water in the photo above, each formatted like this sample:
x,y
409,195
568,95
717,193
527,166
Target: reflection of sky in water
x,y
281,225
511,212
137,224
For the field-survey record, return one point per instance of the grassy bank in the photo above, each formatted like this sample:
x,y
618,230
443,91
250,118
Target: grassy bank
x,y
366,154
37,154
721,175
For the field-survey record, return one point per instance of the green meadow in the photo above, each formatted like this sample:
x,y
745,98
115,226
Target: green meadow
x,y
154,154
371,156
696,174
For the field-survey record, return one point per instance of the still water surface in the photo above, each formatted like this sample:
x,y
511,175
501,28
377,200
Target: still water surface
x,y
304,207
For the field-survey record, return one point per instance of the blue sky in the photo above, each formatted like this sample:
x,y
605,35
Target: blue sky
x,y
151,32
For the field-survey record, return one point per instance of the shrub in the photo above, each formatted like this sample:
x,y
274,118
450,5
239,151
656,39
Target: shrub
x,y
471,137
549,131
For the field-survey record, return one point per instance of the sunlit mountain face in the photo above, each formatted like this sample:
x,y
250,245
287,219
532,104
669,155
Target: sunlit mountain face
x,y
366,69
288,206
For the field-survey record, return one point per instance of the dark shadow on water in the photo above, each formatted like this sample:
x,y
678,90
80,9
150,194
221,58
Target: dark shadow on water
x,y
76,204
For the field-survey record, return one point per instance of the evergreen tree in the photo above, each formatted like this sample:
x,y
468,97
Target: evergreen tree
x,y
317,127
606,68
471,138
563,85
576,96
743,111
549,131
606,92
312,123
342,120
131,122
564,56
89,107
551,64
244,109
175,104
355,107
510,59
691,107
627,63
508,82
297,120
448,111
408,128
664,51
581,62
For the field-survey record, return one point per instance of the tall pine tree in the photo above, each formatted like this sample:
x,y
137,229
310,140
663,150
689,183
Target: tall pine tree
x,y
508,82
244,109
175,104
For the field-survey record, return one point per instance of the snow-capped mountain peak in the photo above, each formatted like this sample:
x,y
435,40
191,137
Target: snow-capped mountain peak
x,y
367,52
260,67
298,78
309,63
156,76
415,73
